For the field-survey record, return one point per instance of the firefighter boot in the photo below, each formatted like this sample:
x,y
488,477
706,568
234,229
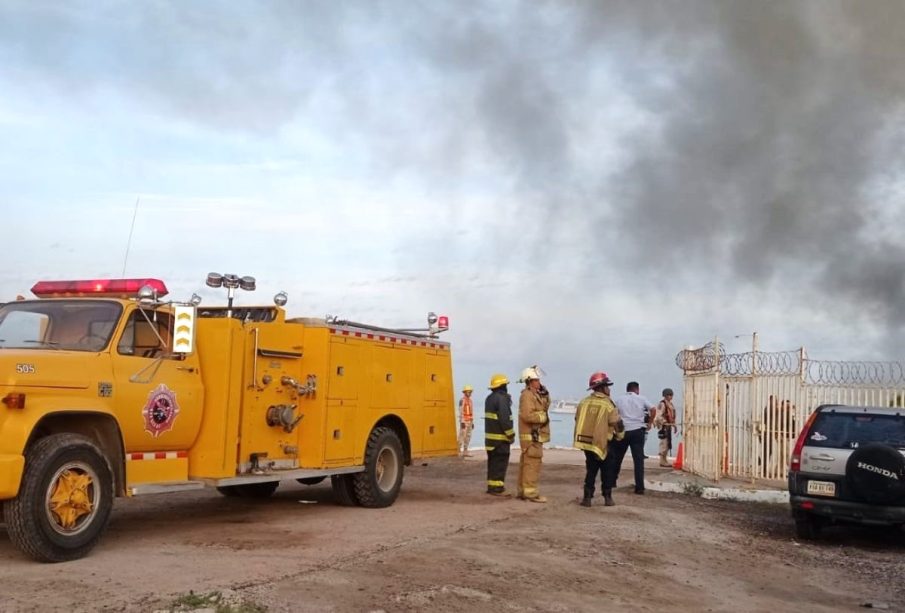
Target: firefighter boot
x,y
608,498
586,501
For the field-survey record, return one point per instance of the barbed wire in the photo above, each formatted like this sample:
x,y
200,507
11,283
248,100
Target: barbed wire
x,y
814,372
824,372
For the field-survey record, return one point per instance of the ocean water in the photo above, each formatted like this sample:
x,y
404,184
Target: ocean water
x,y
562,427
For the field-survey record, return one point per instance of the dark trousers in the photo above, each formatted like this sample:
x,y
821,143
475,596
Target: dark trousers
x,y
593,465
634,440
497,463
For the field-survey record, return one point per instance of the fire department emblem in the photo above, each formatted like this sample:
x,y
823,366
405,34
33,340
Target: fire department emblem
x,y
161,410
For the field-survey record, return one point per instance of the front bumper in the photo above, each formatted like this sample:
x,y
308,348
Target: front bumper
x,y
11,468
845,511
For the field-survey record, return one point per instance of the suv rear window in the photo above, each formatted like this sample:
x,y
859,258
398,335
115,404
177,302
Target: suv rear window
x,y
851,430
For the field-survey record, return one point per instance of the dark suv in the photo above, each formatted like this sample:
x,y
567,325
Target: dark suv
x,y
848,465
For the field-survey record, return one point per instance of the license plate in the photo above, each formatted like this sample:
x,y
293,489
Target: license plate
x,y
822,488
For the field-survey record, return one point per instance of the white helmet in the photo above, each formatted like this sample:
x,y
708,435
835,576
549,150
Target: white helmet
x,y
532,372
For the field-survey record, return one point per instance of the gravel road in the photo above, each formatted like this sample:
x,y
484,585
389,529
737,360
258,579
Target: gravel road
x,y
447,546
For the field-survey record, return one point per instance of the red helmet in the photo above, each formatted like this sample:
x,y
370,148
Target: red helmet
x,y
598,379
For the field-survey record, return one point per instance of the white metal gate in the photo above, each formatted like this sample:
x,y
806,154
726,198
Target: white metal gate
x,y
702,425
743,412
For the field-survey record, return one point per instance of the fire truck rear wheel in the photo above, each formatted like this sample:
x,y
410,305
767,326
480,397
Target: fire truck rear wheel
x,y
64,501
250,490
378,486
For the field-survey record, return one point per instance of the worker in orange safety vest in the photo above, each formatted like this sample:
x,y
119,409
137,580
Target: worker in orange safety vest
x,y
466,421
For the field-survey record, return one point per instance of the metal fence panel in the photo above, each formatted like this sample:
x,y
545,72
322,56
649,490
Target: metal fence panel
x,y
743,412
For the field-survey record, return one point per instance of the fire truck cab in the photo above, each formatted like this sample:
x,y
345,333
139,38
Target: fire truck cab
x,y
107,390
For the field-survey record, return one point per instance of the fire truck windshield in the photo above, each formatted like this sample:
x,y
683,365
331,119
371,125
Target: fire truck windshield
x,y
72,325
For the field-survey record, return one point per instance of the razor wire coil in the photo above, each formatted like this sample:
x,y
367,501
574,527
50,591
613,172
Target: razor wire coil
x,y
813,372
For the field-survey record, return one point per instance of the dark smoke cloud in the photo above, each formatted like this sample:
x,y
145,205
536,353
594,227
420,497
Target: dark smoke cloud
x,y
770,126
769,139
772,134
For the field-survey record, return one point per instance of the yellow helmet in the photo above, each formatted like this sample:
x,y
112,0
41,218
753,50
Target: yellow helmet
x,y
498,380
468,388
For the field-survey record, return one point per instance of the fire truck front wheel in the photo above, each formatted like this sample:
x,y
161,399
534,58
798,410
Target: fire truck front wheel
x,y
378,486
64,501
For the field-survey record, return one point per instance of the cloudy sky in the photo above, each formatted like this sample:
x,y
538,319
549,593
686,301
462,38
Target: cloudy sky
x,y
582,185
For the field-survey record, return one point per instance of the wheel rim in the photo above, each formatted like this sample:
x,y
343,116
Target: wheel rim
x,y
72,498
387,469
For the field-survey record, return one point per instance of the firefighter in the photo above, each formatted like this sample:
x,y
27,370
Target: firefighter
x,y
498,434
534,431
466,421
597,422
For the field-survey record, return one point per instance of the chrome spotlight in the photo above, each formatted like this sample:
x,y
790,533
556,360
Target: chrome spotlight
x,y
146,294
230,281
280,299
195,300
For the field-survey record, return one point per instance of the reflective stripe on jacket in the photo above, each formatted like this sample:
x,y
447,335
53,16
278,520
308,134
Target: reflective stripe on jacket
x,y
533,421
595,424
498,419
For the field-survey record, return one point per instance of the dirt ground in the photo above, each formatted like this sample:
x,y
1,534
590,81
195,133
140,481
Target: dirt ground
x,y
447,546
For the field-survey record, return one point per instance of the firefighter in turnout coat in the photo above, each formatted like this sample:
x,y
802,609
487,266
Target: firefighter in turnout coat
x,y
498,434
534,431
597,422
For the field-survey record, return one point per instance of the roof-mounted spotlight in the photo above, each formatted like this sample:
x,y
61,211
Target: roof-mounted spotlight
x,y
231,282
146,294
195,300
280,299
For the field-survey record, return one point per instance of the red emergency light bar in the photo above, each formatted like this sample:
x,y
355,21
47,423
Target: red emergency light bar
x,y
121,288
443,322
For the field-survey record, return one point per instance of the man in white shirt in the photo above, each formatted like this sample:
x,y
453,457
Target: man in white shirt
x,y
633,408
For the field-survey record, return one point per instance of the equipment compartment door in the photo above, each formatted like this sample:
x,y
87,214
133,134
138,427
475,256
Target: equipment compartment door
x,y
438,413
340,434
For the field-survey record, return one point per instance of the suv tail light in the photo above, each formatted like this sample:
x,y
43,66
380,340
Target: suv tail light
x,y
795,466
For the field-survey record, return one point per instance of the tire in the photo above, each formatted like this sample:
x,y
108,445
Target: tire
x,y
250,490
311,480
72,469
876,474
344,490
378,486
808,527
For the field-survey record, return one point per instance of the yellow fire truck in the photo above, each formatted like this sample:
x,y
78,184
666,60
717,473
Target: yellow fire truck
x,y
108,390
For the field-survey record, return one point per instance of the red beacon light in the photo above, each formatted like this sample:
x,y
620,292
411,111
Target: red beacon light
x,y
119,288
436,324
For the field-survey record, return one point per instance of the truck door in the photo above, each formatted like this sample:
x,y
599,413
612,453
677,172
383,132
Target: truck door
x,y
158,395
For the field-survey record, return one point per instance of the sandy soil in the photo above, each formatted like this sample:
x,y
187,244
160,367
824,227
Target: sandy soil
x,y
447,546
